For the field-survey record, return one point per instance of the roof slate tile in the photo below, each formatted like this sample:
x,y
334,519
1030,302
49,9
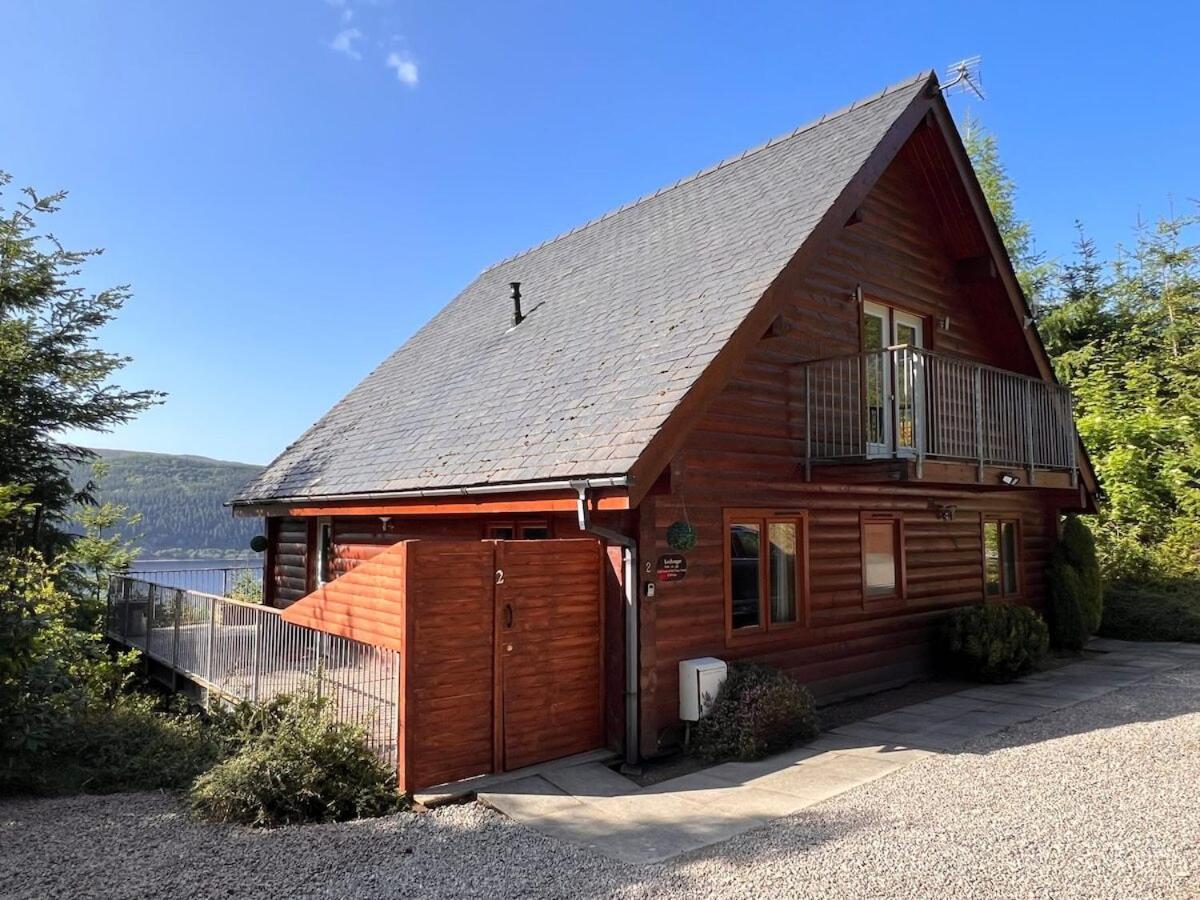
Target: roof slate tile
x,y
623,314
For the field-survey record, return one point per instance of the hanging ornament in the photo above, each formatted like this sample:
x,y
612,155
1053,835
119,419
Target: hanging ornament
x,y
681,536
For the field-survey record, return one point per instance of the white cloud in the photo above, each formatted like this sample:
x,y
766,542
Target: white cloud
x,y
406,69
347,14
344,42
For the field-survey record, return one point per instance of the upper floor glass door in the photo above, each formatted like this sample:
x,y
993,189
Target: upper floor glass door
x,y
891,379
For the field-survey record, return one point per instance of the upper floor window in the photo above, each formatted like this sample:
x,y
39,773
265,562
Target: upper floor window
x,y
1001,557
885,326
765,570
882,535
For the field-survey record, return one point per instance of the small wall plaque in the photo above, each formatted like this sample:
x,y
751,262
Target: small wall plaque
x,y
672,567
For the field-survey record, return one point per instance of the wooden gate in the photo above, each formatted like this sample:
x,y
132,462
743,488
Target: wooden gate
x,y
549,646
502,666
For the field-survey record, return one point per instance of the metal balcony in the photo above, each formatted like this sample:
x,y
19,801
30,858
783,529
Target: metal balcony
x,y
909,403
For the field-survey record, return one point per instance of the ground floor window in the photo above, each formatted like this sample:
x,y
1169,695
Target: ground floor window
x,y
324,552
882,535
535,530
1001,557
766,572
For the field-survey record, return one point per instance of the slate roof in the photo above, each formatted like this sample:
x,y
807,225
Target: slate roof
x,y
623,315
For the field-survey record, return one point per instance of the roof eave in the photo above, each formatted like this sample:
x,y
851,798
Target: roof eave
x,y
252,505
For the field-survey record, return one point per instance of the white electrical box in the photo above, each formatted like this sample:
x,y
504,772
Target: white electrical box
x,y
699,681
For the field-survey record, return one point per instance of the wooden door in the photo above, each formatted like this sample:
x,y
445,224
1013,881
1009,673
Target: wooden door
x,y
549,630
449,661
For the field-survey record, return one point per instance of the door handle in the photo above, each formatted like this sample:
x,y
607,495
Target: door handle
x,y
508,615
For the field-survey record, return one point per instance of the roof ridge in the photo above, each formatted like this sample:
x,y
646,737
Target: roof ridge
x,y
778,139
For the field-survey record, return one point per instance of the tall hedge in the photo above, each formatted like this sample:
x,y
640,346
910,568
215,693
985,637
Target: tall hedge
x,y
1066,609
1079,548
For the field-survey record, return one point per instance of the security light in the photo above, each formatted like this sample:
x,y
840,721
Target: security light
x,y
1010,479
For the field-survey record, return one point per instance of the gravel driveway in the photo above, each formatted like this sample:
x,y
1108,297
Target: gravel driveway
x,y
1100,800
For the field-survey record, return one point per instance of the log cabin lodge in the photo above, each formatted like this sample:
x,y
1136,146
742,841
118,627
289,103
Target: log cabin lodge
x,y
790,409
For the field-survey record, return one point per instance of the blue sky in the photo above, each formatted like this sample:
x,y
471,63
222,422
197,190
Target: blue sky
x,y
292,188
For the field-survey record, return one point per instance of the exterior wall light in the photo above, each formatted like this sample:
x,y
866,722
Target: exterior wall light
x,y
1010,479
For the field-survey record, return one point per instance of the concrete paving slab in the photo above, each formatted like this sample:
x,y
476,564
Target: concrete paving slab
x,y
1014,696
827,776
590,805
996,719
962,731
905,720
629,841
590,781
755,801
901,755
745,772
921,740
1105,645
950,701
643,828
528,800
455,791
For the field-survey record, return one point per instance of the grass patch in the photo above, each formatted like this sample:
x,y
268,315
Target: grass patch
x,y
1162,610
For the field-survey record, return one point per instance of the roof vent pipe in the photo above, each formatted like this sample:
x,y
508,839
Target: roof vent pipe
x,y
516,299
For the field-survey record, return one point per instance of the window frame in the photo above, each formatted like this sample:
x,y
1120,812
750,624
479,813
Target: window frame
x,y
764,517
518,528
900,593
1018,591
869,298
323,552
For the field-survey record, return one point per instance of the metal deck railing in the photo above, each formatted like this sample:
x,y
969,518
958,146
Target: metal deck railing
x,y
243,651
218,580
906,402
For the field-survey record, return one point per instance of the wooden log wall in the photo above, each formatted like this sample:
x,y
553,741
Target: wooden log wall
x,y
744,453
290,561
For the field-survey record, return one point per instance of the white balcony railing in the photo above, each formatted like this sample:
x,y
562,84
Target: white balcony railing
x,y
906,402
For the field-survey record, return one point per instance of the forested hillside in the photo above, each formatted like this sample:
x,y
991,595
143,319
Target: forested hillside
x,y
180,500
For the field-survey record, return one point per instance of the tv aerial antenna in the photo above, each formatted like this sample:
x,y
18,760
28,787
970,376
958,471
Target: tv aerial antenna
x,y
964,76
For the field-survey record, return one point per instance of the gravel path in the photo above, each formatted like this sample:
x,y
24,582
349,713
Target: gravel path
x,y
1100,800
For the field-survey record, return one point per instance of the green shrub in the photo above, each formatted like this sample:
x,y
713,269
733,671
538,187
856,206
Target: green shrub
x,y
757,712
994,642
1165,609
246,587
1079,548
1066,609
136,745
51,673
297,765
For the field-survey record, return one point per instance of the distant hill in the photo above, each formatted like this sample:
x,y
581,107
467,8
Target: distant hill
x,y
180,499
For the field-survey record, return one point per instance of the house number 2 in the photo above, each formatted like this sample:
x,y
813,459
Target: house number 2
x,y
499,576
